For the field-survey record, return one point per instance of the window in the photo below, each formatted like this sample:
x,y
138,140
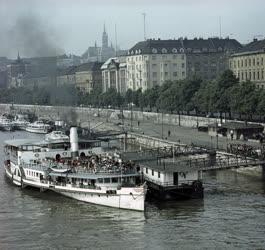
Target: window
x,y
152,172
107,180
153,65
183,65
166,74
153,57
182,57
183,73
158,174
253,61
114,180
175,65
146,170
246,62
249,62
175,74
100,180
258,75
154,74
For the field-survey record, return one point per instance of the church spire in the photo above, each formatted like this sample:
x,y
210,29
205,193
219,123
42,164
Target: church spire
x,y
104,38
18,56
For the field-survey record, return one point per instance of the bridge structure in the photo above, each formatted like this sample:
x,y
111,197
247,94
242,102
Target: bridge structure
x,y
191,158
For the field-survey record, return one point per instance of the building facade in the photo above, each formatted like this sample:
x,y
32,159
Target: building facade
x,y
114,74
209,58
15,72
249,63
154,62
88,76
66,76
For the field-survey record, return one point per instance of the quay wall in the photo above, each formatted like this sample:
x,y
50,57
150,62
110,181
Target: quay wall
x,y
81,114
151,142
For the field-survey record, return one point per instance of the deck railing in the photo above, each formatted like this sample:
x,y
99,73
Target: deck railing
x,y
78,170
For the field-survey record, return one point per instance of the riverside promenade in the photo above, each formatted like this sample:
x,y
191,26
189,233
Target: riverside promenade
x,y
174,133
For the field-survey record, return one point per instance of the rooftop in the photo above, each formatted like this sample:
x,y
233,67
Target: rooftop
x,y
91,66
255,46
196,45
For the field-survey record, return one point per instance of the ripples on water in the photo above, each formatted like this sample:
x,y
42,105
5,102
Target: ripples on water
x,y
232,215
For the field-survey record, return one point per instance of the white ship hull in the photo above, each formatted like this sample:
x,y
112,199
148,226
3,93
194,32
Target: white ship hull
x,y
16,180
131,198
126,198
37,130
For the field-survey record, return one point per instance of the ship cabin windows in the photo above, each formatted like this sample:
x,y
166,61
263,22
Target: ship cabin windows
x,y
114,180
107,180
32,173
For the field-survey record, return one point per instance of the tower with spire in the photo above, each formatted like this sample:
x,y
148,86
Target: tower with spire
x,y
104,38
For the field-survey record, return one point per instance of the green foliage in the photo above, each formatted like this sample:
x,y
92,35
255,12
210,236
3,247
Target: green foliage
x,y
224,94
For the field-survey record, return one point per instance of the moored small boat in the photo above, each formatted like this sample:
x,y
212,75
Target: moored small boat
x,y
6,124
38,127
57,135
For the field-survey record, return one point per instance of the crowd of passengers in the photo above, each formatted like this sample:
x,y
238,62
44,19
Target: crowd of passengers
x,y
97,163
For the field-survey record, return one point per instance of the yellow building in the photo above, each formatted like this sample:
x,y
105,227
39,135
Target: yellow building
x,y
249,63
88,76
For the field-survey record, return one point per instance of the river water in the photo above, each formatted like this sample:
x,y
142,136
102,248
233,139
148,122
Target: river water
x,y
231,216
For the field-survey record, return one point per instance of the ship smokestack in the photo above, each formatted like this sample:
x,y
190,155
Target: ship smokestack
x,y
74,141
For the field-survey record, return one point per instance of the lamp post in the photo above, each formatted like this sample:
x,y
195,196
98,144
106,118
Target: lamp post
x,y
162,125
131,106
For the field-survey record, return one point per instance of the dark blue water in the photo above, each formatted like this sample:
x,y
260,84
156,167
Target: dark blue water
x,y
231,216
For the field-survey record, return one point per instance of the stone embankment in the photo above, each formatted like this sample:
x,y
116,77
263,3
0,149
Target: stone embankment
x,y
83,114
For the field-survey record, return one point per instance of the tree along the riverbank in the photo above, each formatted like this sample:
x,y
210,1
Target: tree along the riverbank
x,y
223,95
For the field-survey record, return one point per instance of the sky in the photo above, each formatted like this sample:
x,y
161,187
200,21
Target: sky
x,y
47,27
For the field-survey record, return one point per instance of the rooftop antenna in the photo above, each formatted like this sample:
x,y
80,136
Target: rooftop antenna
x,y
144,15
115,40
220,28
